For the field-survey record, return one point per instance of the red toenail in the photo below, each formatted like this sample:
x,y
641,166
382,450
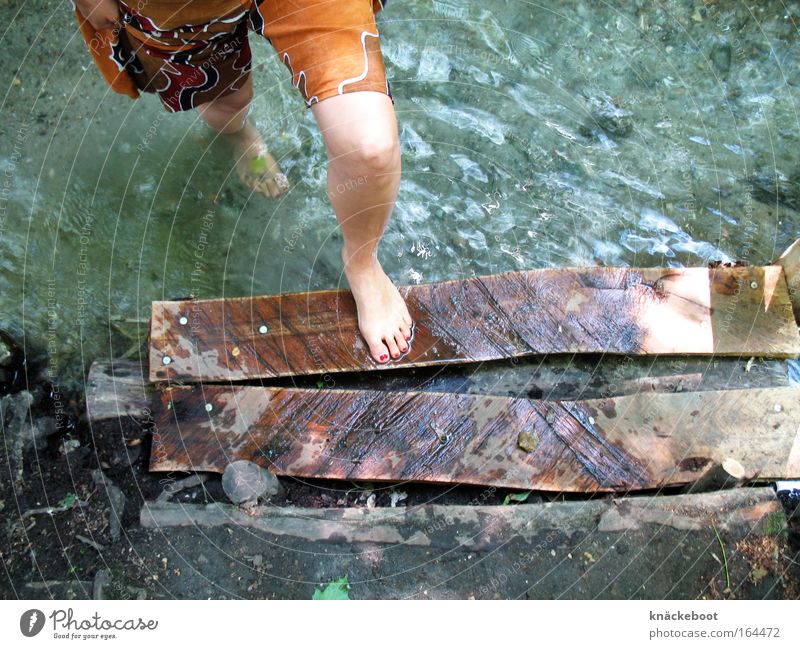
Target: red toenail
x,y
384,357
404,349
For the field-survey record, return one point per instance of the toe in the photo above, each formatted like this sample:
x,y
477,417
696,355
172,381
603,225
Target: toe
x,y
276,184
270,188
378,350
405,331
400,341
407,317
281,182
394,352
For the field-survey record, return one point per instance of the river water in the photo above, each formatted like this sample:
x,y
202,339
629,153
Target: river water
x,y
533,135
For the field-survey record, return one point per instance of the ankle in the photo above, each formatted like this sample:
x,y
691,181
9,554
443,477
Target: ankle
x,y
359,261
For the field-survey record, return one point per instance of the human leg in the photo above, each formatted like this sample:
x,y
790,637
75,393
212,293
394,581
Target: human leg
x,y
360,132
228,115
332,49
197,56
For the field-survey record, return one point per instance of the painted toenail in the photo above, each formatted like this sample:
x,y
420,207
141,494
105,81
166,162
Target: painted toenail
x,y
384,357
404,349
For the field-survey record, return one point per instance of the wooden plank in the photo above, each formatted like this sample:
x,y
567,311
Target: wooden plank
x,y
790,262
722,311
642,441
484,527
119,387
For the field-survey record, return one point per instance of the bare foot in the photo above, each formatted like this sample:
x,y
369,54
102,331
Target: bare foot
x,y
383,317
257,168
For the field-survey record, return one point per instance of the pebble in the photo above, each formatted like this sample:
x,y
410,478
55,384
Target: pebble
x,y
608,116
244,481
115,499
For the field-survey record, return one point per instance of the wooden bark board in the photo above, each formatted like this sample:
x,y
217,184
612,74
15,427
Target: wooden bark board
x,y
642,441
723,311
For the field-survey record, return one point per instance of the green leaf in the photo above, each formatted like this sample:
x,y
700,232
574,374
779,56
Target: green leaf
x,y
67,501
517,498
258,165
335,590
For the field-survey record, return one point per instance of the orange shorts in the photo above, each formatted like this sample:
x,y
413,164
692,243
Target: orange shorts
x,y
190,52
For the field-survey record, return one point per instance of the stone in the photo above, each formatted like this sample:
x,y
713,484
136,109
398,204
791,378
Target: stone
x,y
6,352
244,481
11,363
772,185
721,55
21,433
608,116
99,584
116,501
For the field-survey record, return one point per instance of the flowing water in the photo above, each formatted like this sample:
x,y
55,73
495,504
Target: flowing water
x,y
533,135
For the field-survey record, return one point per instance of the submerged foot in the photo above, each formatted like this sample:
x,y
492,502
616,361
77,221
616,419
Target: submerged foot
x,y
256,167
383,317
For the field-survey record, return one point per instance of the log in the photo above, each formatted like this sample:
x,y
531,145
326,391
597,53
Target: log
x,y
482,527
727,474
642,441
117,388
734,311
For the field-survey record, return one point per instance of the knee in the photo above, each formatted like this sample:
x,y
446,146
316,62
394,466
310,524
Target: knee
x,y
233,102
374,154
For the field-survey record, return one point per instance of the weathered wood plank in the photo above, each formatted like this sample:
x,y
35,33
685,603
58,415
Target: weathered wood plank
x,y
641,441
722,311
484,527
790,262
117,388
